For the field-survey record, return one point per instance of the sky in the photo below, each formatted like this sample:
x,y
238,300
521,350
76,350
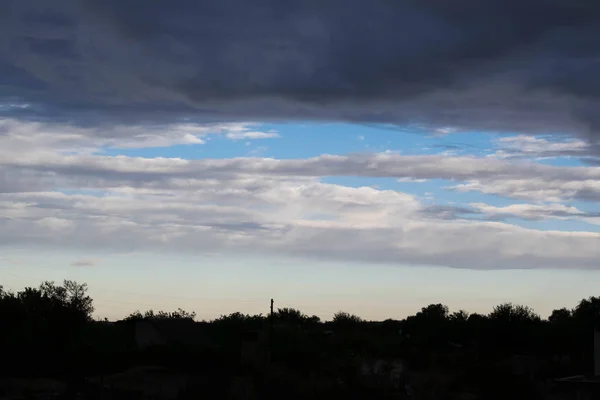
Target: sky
x,y
214,156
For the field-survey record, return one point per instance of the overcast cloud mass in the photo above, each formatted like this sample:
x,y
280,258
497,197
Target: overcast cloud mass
x,y
511,65
84,84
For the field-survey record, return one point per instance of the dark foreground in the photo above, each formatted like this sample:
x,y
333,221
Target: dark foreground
x,y
52,348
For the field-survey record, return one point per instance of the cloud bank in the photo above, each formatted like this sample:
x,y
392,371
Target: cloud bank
x,y
526,66
43,166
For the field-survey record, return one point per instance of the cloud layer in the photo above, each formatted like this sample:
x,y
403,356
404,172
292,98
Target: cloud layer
x,y
297,218
50,196
518,180
525,66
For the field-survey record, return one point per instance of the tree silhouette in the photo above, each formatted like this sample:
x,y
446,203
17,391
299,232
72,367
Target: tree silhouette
x,y
587,312
437,312
50,303
290,315
45,322
509,312
516,327
430,326
561,316
460,316
295,317
345,320
161,315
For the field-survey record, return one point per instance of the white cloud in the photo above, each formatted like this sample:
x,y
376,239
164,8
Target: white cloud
x,y
553,189
252,135
531,146
444,131
18,136
33,136
409,180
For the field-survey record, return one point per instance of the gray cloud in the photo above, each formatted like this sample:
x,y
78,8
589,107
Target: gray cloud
x,y
521,180
530,212
293,218
19,136
528,147
447,212
84,263
511,65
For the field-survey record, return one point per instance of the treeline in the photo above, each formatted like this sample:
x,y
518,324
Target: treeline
x,y
41,326
52,322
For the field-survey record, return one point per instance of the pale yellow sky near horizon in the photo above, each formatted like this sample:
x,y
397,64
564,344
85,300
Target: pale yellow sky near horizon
x,y
217,284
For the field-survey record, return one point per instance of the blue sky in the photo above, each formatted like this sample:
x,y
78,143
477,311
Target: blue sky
x,y
319,216
304,140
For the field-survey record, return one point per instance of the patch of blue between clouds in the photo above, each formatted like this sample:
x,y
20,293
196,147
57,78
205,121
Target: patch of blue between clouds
x,y
306,140
311,140
586,206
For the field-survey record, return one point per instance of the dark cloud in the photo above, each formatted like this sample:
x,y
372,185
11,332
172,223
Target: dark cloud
x,y
447,212
591,161
510,65
482,212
